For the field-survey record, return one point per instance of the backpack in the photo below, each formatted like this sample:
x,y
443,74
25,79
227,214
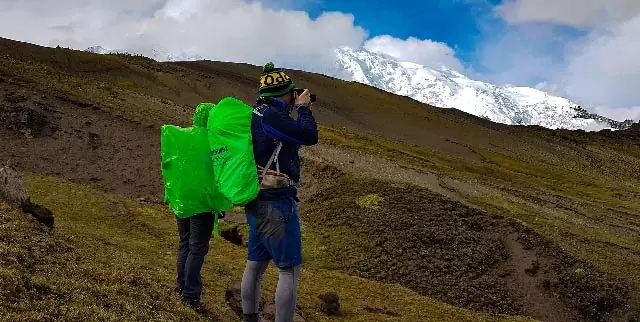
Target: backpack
x,y
189,181
230,139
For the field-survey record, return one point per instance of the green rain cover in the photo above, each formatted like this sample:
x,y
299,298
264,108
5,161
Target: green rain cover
x,y
188,177
234,166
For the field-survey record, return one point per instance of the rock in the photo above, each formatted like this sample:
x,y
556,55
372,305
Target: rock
x,y
14,192
329,303
12,188
40,213
232,235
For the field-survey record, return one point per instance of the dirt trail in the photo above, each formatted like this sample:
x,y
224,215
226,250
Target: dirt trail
x,y
382,169
527,272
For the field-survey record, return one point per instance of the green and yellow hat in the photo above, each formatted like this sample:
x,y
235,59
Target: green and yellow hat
x,y
274,81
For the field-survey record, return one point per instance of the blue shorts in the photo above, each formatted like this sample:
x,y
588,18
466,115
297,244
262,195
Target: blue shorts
x,y
274,232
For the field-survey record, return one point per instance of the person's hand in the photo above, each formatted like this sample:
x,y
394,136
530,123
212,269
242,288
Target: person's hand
x,y
304,98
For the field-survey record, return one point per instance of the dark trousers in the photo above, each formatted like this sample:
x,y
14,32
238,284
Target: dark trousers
x,y
195,233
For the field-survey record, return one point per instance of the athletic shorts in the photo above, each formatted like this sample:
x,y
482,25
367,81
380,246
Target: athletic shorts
x,y
274,232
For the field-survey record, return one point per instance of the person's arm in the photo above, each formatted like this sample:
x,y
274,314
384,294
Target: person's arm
x,y
303,131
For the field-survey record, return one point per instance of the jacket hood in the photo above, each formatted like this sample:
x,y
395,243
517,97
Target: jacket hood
x,y
201,114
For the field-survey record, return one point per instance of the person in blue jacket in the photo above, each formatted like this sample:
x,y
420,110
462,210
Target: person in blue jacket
x,y
274,233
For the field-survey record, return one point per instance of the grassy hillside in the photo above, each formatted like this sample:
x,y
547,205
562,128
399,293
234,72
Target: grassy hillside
x,y
112,259
434,205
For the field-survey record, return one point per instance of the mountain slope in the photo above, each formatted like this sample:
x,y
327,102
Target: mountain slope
x,y
450,89
446,199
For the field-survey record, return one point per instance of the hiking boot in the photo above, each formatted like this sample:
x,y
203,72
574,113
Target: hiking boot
x,y
196,305
250,317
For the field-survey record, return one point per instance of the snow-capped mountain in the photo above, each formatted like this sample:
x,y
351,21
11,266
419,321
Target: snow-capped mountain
x,y
444,88
154,54
449,89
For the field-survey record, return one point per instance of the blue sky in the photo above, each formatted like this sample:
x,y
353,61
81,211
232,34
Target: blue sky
x,y
458,23
479,36
454,22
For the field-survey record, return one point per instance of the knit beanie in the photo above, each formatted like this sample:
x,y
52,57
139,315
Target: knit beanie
x,y
274,81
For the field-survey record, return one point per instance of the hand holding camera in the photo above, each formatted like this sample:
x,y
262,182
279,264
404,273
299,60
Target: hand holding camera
x,y
304,97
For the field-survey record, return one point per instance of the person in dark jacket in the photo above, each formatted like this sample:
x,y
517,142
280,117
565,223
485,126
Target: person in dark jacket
x,y
274,233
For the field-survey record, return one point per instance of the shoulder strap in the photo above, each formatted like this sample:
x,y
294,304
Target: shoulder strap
x,y
276,152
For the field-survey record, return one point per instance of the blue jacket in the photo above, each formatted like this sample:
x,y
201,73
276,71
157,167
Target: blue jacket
x,y
276,125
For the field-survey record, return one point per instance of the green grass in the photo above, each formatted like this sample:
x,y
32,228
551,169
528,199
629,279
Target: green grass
x,y
370,201
112,259
600,198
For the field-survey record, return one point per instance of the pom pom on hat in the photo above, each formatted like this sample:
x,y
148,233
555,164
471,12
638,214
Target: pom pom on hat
x,y
268,67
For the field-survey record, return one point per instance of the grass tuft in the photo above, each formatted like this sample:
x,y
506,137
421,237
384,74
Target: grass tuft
x,y
371,201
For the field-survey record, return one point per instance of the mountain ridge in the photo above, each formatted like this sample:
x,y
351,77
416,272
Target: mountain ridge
x,y
444,88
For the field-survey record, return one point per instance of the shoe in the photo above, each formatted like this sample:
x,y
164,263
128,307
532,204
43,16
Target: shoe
x,y
196,305
250,317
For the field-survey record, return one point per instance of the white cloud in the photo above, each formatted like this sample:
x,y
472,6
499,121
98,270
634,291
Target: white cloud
x,y
424,52
576,13
605,68
596,66
228,30
620,114
519,55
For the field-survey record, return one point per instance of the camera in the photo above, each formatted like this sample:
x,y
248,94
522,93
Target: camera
x,y
299,91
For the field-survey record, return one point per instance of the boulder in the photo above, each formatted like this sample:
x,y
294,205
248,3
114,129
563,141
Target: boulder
x,y
234,236
14,192
329,303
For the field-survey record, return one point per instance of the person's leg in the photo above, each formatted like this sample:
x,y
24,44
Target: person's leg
x,y
257,261
284,243
183,251
250,291
201,227
287,293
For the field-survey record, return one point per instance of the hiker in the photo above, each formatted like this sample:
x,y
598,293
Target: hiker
x,y
195,219
195,233
274,232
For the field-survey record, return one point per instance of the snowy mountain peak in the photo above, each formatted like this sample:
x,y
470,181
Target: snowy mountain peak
x,y
447,88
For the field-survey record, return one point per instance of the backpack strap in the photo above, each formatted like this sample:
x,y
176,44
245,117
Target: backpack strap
x,y
276,152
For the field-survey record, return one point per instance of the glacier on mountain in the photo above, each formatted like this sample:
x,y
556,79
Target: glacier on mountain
x,y
446,88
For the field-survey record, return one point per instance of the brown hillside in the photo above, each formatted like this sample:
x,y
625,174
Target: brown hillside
x,y
472,203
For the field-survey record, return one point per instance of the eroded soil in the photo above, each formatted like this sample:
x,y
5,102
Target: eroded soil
x,y
448,251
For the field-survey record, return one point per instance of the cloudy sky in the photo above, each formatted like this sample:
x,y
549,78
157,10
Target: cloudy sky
x,y
588,50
